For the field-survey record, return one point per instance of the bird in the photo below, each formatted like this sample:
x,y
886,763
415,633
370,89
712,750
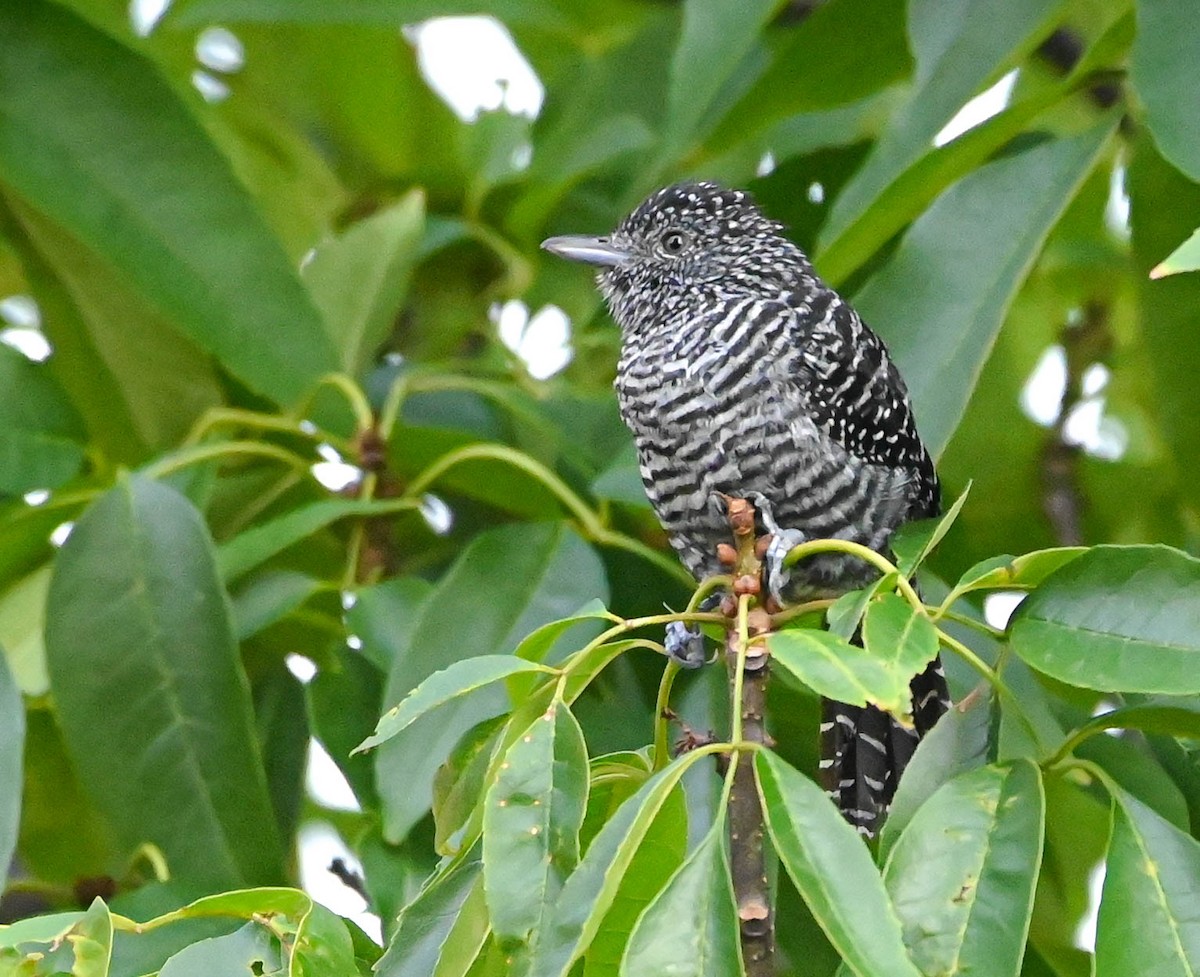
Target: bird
x,y
741,373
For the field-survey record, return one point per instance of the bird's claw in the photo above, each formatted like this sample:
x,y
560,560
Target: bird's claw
x,y
782,542
685,645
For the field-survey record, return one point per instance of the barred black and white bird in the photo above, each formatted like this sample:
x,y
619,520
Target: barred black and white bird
x,y
742,373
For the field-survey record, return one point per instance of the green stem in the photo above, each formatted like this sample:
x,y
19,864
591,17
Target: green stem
x,y
937,613
864,553
662,752
739,675
799,610
224,449
619,541
364,417
237,417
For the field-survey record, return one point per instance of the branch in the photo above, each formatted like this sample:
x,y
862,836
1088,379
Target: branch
x,y
747,664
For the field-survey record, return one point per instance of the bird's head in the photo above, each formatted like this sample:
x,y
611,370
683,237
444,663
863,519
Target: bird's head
x,y
682,244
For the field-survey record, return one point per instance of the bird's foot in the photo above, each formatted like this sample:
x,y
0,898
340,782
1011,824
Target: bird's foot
x,y
781,543
684,643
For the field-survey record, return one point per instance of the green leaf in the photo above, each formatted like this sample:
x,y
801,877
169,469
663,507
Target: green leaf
x,y
832,870
139,383
691,927
1169,715
269,598
846,613
836,669
1117,618
1147,922
460,784
22,631
257,545
842,51
941,298
441,687
1186,257
343,706
590,890
12,745
40,433
426,928
136,615
532,815
507,583
914,541
958,50
251,949
1013,572
716,36
900,635
961,875
1163,71
957,744
359,279
94,138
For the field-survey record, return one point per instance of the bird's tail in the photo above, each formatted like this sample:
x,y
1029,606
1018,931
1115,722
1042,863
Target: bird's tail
x,y
864,750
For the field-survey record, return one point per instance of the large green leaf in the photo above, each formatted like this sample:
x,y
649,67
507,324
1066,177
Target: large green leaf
x,y
139,383
359,279
956,745
153,702
962,873
427,928
716,36
941,298
533,811
691,927
843,51
591,889
93,137
456,680
900,635
958,47
1118,618
832,870
505,584
251,949
1165,54
1147,922
40,433
12,745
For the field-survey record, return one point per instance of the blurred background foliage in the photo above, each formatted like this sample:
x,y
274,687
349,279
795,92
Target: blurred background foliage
x,y
206,216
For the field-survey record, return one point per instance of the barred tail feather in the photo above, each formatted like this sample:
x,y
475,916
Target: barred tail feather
x,y
864,751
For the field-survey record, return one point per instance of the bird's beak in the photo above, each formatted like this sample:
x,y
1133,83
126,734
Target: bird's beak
x,y
590,250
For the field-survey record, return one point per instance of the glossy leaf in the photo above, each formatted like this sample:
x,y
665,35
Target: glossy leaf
x,y
12,745
532,815
40,432
136,615
957,744
842,51
898,634
589,891
358,280
457,680
89,128
961,875
507,583
1147,922
832,870
1023,572
941,298
1163,72
914,541
1118,618
957,48
691,927
251,949
425,930
836,669
714,39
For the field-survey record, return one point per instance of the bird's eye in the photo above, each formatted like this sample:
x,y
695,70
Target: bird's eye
x,y
673,242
